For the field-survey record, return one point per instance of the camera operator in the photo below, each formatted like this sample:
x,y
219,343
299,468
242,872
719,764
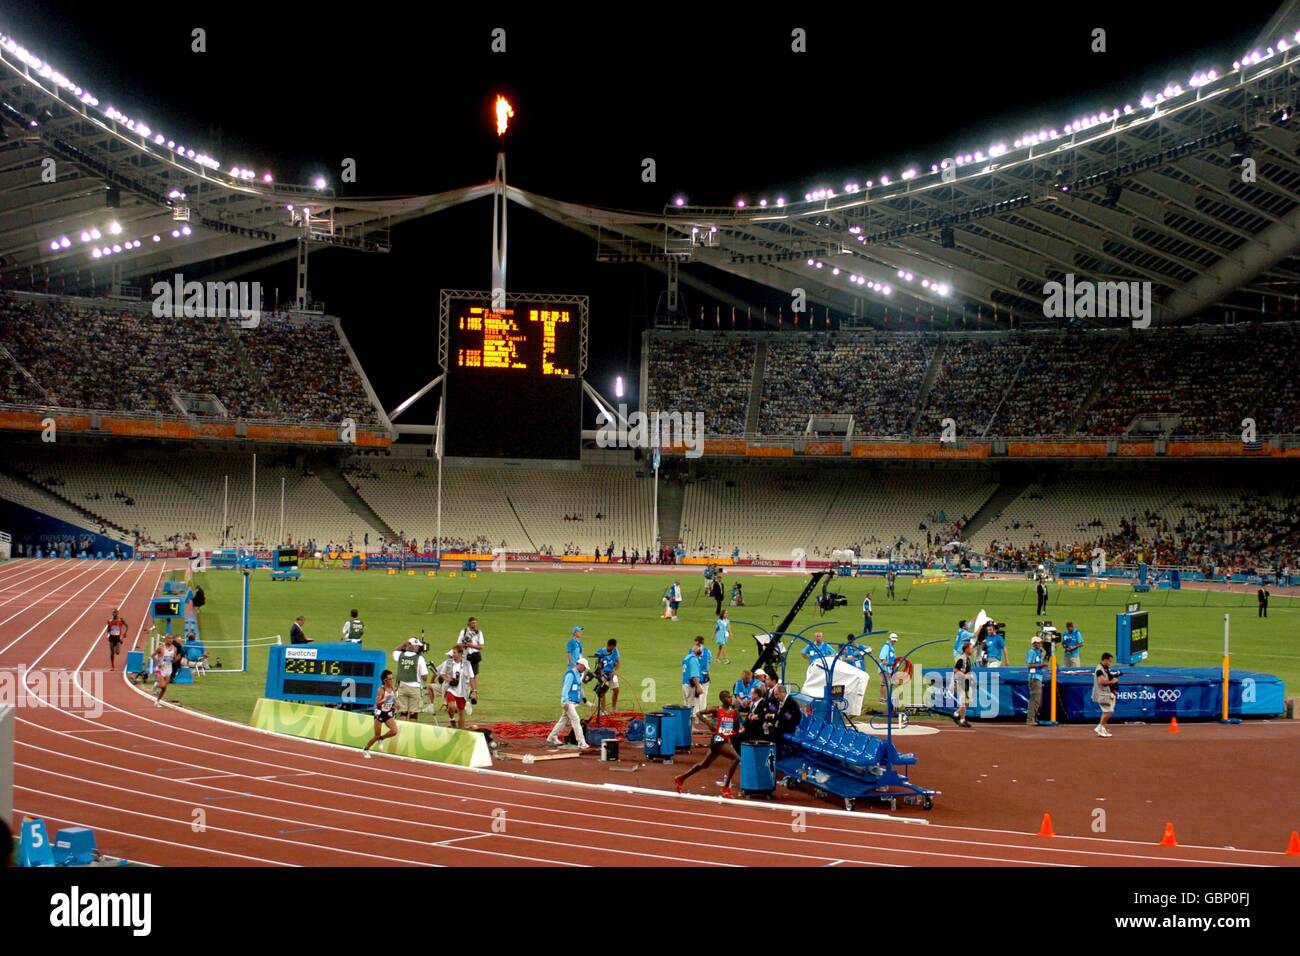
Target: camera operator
x,y
1104,684
1071,641
1036,661
412,674
608,660
995,646
471,638
458,684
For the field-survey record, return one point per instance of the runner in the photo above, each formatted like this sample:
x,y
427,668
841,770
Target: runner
x,y
163,656
724,724
116,630
385,704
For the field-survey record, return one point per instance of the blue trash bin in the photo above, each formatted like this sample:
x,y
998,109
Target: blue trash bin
x,y
757,767
655,726
683,715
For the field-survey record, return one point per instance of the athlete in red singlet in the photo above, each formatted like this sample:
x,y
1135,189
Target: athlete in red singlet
x,y
724,721
116,631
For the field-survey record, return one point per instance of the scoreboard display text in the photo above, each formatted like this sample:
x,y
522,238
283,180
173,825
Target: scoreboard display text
x,y
340,673
503,339
1138,632
513,385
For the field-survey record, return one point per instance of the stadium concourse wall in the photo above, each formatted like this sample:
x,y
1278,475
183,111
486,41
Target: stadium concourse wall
x,y
928,449
34,529
176,428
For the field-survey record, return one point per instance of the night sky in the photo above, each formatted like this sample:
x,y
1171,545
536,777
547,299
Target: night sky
x,y
720,102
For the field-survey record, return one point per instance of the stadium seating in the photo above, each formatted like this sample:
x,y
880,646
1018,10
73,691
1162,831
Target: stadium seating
x,y
91,355
711,373
875,378
176,498
769,513
522,508
1196,381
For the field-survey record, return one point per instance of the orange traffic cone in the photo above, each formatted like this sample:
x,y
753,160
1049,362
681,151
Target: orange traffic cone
x,y
1046,829
1168,839
1293,846
1173,725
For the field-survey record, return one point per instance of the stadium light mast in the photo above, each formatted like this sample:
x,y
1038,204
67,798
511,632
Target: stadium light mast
x,y
504,112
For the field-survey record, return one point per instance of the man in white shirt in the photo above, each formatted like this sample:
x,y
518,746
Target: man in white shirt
x,y
459,685
412,673
471,638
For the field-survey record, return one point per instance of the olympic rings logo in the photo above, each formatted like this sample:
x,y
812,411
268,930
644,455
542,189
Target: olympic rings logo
x,y
1168,695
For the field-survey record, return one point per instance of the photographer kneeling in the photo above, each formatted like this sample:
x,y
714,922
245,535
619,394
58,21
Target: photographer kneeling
x,y
1104,683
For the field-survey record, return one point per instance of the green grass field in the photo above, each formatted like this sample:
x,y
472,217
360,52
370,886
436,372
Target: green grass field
x,y
526,618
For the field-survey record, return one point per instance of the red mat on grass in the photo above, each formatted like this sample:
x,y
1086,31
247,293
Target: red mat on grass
x,y
531,730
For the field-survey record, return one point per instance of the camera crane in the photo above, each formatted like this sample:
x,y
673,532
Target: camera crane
x,y
770,650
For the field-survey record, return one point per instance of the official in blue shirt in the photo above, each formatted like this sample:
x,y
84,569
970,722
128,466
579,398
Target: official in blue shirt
x,y
866,614
573,649
854,653
817,649
570,698
963,636
693,686
1035,661
743,688
888,660
1071,641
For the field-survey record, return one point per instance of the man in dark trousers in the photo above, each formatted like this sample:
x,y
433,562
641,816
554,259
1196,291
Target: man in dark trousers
x,y
715,592
296,633
1040,588
1263,600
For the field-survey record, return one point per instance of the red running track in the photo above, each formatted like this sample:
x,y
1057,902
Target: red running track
x,y
170,786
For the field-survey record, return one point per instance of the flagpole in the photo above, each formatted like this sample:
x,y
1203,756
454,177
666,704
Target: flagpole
x,y
252,535
655,463
281,509
225,510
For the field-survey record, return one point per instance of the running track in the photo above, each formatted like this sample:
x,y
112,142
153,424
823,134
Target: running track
x,y
170,786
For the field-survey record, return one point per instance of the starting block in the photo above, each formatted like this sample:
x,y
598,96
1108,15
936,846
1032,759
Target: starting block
x,y
34,847
74,846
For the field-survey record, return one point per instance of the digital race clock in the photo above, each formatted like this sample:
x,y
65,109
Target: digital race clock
x,y
341,673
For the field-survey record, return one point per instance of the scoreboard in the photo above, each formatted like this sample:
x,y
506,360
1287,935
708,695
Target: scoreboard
x,y
1131,635
514,376
342,673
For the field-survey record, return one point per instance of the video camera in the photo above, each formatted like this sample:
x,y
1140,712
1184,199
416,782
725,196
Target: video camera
x,y
827,601
1050,636
602,680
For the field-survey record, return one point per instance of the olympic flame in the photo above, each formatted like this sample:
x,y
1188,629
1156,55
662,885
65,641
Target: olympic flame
x,y
504,112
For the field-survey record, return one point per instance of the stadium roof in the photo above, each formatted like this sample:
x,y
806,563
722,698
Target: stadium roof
x,y
1149,191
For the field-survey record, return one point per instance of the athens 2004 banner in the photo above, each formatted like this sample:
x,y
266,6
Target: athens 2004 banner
x,y
460,748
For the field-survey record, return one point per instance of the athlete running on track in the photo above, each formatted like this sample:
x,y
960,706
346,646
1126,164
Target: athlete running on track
x,y
385,704
163,657
724,724
116,631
